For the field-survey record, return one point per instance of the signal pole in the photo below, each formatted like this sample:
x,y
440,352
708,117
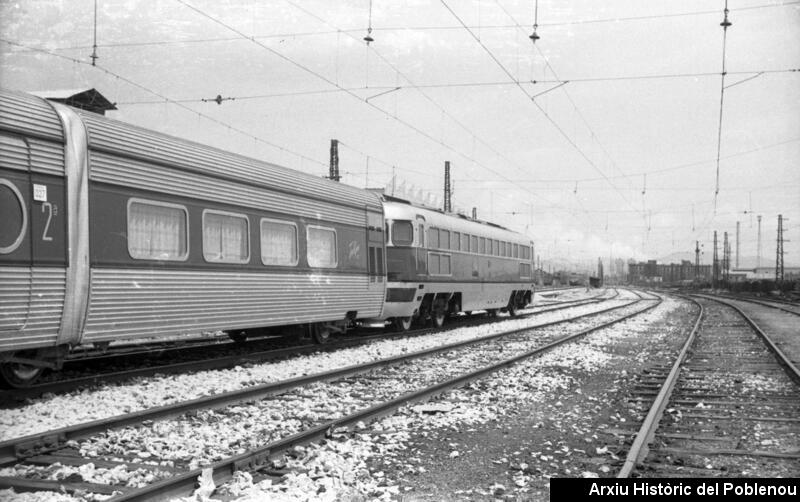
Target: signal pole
x,y
726,257
758,254
715,265
447,202
696,259
737,244
334,166
779,252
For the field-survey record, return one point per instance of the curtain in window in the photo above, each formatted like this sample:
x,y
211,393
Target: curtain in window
x,y
156,232
321,247
278,243
225,238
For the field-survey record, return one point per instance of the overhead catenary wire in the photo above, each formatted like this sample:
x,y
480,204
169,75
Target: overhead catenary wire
x,y
165,99
725,24
429,28
455,120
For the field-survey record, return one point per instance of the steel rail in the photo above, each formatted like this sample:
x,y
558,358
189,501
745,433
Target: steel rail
x,y
756,301
8,396
17,449
790,368
647,430
224,469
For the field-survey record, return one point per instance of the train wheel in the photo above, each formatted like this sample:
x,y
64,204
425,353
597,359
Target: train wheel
x,y
437,318
512,309
238,336
491,312
319,332
19,375
402,323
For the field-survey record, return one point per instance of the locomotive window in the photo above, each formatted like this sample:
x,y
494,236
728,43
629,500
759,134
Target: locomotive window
x,y
421,235
457,241
321,247
225,237
473,243
465,242
524,270
278,243
496,247
402,233
515,251
157,231
433,237
444,239
438,264
482,249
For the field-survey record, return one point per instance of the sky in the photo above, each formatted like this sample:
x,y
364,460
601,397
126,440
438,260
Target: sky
x,y
602,139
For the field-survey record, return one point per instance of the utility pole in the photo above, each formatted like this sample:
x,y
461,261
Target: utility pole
x,y
696,259
334,165
758,251
715,265
737,244
779,252
726,256
447,202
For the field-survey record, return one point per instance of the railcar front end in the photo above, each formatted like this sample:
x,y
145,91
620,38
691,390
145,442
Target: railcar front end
x,y
440,264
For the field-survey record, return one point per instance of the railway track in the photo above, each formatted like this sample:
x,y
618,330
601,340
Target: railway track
x,y
238,354
783,305
299,411
728,407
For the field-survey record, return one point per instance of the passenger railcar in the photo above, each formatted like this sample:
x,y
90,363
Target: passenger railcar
x,y
439,264
111,232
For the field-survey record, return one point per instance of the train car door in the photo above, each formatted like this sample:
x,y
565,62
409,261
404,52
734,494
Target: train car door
x,y
16,257
421,249
376,268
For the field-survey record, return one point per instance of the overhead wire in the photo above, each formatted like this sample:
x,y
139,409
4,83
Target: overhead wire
x,y
432,28
166,99
527,94
433,102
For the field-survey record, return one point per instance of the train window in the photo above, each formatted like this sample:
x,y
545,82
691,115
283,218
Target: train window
x,y
421,235
433,237
482,248
444,239
465,242
524,270
225,237
157,231
457,241
438,264
473,243
278,243
321,247
402,233
444,264
496,248
515,251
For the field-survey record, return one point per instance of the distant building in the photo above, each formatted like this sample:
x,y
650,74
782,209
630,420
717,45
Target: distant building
x,y
655,274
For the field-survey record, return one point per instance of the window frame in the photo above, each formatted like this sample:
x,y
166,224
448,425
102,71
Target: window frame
x,y
157,203
335,245
411,227
203,235
296,241
439,256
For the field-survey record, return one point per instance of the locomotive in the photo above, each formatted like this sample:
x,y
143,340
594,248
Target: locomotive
x,y
111,233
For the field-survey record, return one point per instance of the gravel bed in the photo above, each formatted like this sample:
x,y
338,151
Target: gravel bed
x,y
206,436
50,412
503,437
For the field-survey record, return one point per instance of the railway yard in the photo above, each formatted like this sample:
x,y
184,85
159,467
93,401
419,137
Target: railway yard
x,y
600,383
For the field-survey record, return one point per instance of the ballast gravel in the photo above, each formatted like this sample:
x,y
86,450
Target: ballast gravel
x,y
54,411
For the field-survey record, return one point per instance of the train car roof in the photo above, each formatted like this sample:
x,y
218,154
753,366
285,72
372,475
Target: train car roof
x,y
132,141
399,209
